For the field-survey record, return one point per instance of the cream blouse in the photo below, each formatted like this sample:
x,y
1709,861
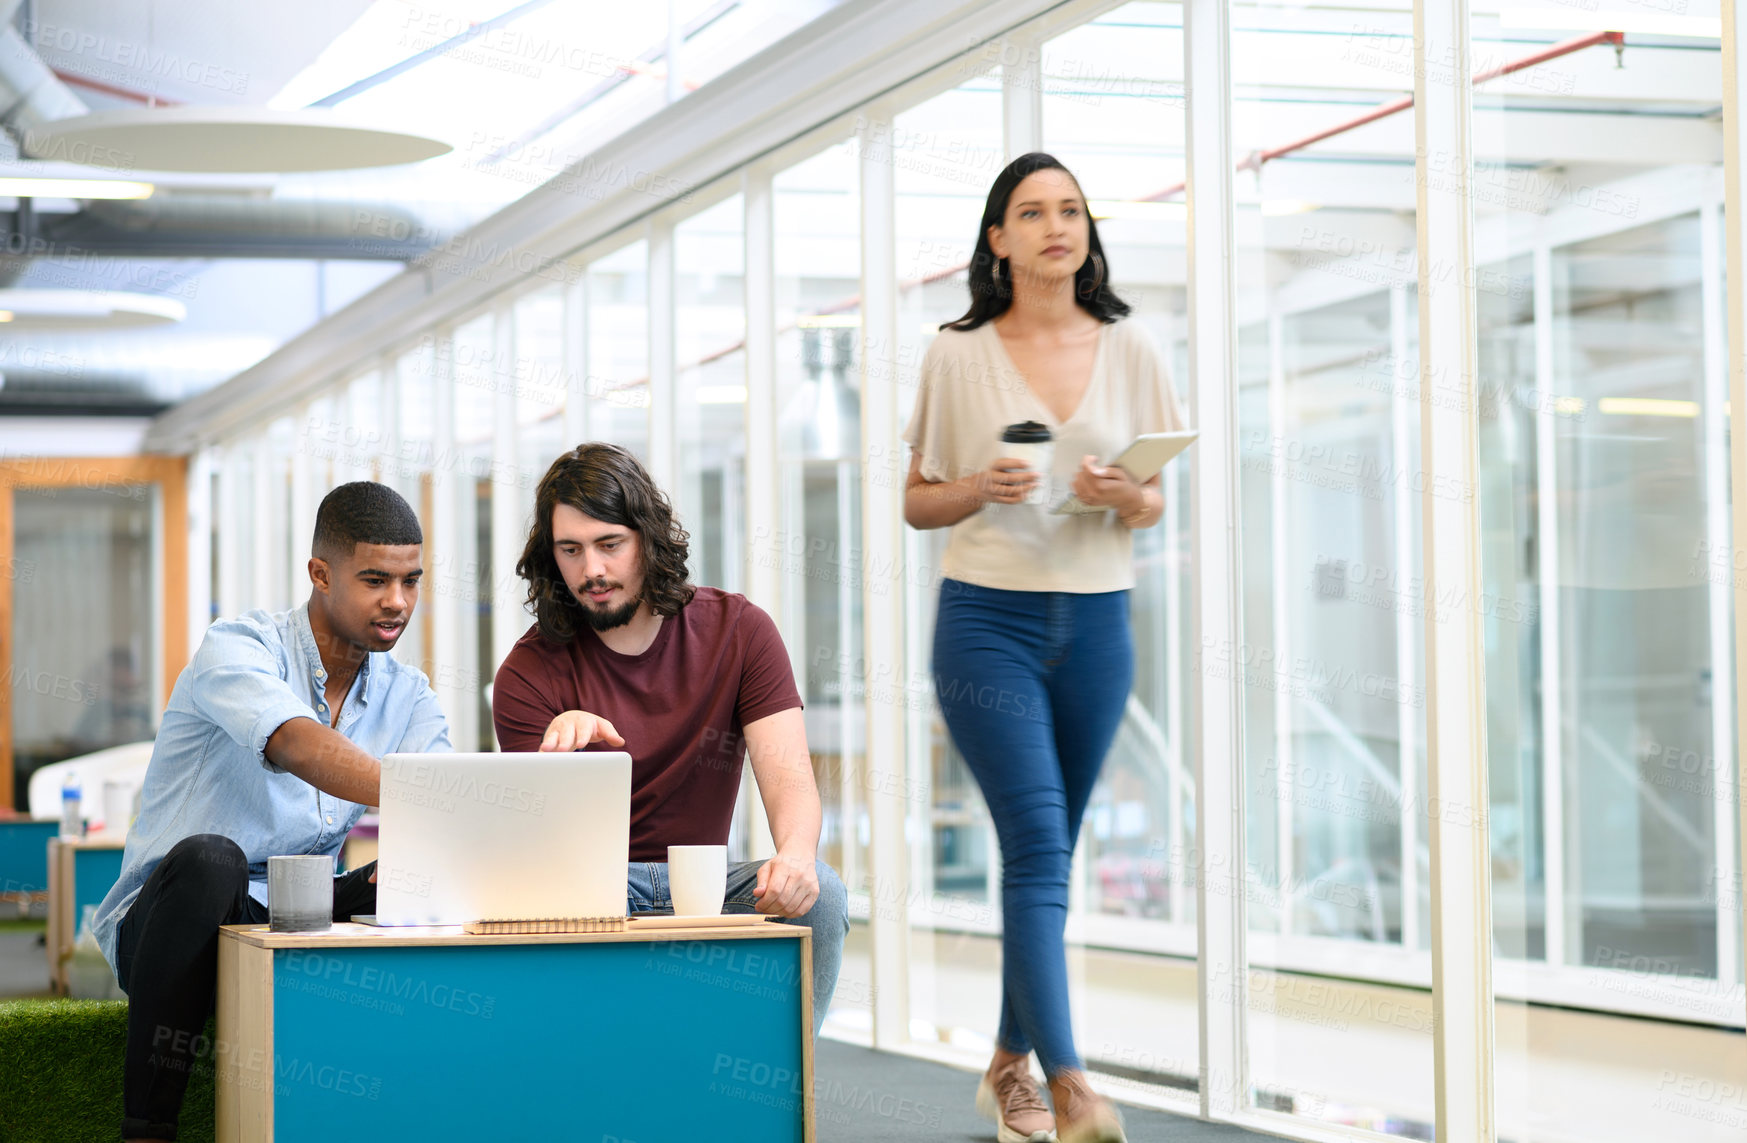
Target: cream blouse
x,y
971,391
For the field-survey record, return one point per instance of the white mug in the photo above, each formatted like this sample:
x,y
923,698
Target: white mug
x,y
117,807
697,876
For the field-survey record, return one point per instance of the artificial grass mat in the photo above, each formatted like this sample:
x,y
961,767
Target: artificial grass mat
x,y
60,1074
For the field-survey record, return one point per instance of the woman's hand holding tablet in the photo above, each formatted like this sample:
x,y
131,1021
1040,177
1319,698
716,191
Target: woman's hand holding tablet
x,y
1141,460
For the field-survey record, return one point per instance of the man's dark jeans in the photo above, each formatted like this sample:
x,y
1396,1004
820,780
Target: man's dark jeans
x,y
166,958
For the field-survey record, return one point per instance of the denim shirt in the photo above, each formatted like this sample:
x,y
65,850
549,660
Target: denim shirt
x,y
209,772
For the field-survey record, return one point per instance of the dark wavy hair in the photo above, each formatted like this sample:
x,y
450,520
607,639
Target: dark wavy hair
x,y
606,482
992,293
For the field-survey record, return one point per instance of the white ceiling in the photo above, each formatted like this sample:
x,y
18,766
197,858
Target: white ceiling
x,y
501,97
187,51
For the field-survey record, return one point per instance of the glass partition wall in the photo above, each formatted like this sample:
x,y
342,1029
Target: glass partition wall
x,y
1601,514
1604,434
815,548
1333,662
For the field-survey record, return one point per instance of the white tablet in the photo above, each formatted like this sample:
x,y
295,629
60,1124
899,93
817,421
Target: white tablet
x,y
1142,460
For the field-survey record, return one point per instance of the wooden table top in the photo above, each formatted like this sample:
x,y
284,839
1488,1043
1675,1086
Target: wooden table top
x,y
94,841
346,934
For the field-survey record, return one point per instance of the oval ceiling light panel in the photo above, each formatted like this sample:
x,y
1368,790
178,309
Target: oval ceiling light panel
x,y
212,140
84,310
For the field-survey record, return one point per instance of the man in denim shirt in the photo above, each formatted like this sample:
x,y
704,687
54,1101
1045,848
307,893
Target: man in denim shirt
x,y
271,744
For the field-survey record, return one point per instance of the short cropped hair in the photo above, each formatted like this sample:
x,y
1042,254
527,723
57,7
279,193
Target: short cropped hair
x,y
363,512
607,483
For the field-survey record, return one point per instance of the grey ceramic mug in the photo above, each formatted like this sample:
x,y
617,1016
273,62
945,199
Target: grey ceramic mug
x,y
300,893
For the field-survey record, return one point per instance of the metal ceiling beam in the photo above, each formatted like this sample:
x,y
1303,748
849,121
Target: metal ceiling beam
x,y
436,51
84,236
607,86
30,95
232,226
78,402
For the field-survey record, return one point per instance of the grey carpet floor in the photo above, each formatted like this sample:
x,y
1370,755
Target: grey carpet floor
x,y
862,1094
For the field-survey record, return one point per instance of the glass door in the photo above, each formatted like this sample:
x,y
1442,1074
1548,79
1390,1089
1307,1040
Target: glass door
x,y
92,606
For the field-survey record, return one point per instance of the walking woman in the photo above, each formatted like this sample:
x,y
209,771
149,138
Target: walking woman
x,y
1032,653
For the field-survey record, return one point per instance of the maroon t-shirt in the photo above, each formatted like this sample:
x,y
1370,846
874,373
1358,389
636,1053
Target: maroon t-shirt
x,y
680,707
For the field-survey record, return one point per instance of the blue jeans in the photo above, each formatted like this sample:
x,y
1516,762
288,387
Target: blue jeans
x,y
1032,685
646,890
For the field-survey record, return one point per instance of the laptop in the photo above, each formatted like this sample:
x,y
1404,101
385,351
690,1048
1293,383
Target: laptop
x,y
502,837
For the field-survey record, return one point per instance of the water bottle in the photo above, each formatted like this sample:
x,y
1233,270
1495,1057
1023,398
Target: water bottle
x,y
72,823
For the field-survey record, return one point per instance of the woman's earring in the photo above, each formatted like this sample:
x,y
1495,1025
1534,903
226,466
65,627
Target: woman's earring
x,y
1097,273
1000,286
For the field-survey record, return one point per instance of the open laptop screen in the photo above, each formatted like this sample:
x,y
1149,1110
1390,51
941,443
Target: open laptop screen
x,y
500,837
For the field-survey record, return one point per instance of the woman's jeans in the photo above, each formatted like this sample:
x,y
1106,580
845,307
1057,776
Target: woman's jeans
x,y
1032,685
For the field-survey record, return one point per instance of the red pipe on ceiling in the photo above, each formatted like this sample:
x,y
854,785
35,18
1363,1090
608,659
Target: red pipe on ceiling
x,y
1384,110
74,79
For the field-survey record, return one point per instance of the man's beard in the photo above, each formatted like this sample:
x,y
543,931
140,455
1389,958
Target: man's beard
x,y
607,620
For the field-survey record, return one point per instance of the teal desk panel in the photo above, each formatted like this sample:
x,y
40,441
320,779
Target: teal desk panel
x,y
24,856
657,1042
95,872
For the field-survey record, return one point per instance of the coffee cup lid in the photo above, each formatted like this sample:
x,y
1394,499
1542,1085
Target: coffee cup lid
x,y
1026,432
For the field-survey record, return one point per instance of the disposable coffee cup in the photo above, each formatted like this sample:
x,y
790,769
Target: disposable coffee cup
x,y
1031,442
698,877
300,894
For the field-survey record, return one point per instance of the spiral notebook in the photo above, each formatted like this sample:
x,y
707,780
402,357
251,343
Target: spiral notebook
x,y
546,925
614,924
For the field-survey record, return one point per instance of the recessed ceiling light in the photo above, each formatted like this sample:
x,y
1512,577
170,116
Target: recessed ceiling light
x,y
1179,212
74,188
86,309
1647,407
